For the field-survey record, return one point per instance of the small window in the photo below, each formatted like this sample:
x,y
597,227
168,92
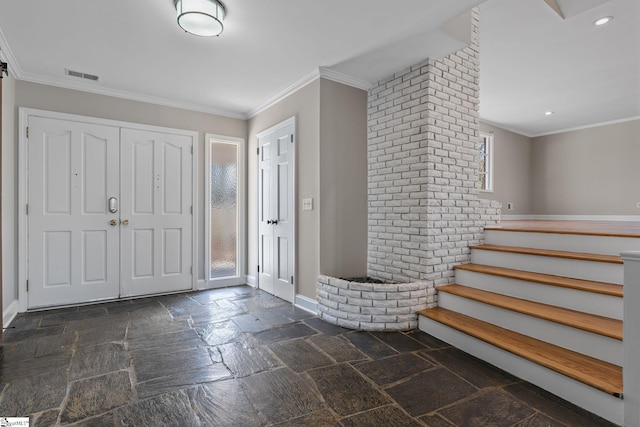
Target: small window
x,y
485,162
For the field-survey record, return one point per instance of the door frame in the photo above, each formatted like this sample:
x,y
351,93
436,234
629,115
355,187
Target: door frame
x,y
294,184
23,118
241,248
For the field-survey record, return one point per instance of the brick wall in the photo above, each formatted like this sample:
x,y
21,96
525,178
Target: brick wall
x,y
371,306
424,209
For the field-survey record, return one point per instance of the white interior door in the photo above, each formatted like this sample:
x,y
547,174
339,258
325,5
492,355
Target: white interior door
x,y
156,217
72,237
276,211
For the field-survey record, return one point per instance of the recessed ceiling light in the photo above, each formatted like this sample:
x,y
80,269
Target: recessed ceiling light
x,y
548,113
602,21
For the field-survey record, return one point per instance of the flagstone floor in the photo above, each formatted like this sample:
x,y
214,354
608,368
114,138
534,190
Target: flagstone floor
x,y
239,357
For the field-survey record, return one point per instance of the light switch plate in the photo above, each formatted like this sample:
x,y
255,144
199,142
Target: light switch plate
x,y
307,204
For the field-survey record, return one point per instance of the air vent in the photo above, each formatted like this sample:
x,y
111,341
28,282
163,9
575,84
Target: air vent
x,y
81,75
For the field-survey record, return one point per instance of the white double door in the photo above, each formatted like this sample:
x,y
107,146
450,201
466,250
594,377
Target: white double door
x,y
276,151
109,212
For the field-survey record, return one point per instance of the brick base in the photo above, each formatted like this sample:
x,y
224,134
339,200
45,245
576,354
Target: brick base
x,y
372,306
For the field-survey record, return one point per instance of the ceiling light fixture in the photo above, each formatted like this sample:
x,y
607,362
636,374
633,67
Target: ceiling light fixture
x,y
548,113
602,21
201,17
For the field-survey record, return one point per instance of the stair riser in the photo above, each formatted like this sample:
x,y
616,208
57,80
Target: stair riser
x,y
587,302
588,343
605,245
578,269
593,400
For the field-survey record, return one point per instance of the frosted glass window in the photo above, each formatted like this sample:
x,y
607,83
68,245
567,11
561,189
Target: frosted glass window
x,y
224,210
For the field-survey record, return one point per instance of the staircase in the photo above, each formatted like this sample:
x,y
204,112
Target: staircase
x,y
545,304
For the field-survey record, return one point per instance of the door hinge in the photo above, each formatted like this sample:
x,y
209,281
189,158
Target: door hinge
x,y
27,209
192,149
292,138
292,280
27,286
191,269
258,151
27,131
258,269
191,209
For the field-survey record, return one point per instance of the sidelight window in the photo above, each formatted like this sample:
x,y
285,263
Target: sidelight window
x,y
224,209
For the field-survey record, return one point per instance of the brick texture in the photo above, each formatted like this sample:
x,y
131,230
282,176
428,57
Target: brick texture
x,y
424,209
383,307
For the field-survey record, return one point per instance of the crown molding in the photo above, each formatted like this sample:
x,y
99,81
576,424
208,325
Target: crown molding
x,y
6,55
321,72
345,79
132,96
309,78
594,125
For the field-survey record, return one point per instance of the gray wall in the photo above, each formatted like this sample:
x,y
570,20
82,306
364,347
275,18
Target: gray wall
x,y
512,170
343,180
44,97
304,104
591,171
9,194
331,168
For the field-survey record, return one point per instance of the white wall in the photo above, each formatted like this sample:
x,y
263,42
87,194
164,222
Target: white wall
x,y
9,195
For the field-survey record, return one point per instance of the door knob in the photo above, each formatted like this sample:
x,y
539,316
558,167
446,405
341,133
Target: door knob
x,y
125,222
269,221
113,223
274,222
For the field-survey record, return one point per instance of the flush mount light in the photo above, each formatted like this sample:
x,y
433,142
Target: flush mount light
x,y
548,113
602,21
201,17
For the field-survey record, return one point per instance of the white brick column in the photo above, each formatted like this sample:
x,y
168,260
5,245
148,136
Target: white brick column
x,y
424,209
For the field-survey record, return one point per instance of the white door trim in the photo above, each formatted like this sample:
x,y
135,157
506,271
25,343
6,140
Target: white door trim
x,y
285,123
23,119
241,258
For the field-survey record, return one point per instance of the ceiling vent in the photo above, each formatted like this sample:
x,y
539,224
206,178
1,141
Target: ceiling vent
x,y
72,73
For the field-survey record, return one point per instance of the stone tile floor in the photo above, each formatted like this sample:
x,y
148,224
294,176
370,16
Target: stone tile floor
x,y
240,357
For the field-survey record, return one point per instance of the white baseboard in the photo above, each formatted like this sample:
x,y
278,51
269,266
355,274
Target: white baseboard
x,y
9,313
572,217
251,281
306,304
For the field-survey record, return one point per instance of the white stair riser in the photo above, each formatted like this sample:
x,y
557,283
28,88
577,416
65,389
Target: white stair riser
x,y
594,345
606,245
573,299
589,398
578,269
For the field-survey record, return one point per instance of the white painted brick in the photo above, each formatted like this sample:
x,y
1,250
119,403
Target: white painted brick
x,y
403,326
365,326
359,317
351,324
348,308
350,294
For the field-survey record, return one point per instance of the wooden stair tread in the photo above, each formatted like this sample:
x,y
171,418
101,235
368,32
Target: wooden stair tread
x,y
596,373
614,259
586,228
600,325
547,279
